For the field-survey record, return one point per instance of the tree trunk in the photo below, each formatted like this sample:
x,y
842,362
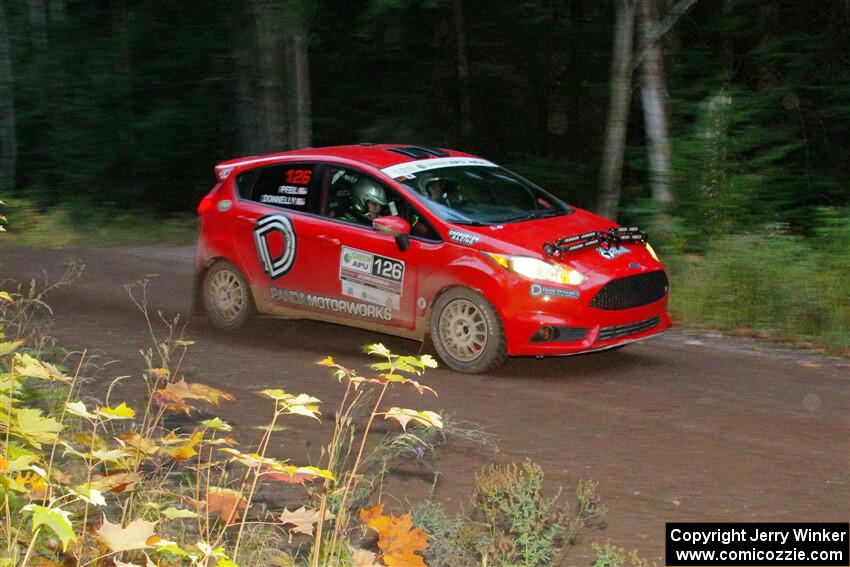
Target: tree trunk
x,y
56,12
8,137
38,23
727,47
121,86
618,112
673,16
462,59
303,117
768,75
246,106
653,93
269,22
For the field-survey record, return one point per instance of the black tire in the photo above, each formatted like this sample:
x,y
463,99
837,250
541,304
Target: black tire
x,y
226,296
467,332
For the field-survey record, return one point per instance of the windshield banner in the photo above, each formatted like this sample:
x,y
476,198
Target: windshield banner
x,y
414,167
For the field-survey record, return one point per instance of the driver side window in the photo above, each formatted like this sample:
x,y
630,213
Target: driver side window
x,y
355,197
358,198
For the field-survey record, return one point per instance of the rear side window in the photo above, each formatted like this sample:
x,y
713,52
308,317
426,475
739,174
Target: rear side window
x,y
290,186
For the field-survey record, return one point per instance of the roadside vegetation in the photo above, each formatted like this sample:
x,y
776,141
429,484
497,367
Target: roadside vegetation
x,y
85,481
779,287
33,225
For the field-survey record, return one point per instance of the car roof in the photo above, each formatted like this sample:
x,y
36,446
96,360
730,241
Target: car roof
x,y
375,155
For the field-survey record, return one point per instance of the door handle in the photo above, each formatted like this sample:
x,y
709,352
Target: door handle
x,y
329,240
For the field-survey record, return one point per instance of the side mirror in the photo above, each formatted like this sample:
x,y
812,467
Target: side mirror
x,y
391,225
394,226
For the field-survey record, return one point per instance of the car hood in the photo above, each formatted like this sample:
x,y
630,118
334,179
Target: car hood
x,y
529,236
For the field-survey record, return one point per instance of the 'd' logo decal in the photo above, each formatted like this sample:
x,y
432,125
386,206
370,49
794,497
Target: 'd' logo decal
x,y
266,231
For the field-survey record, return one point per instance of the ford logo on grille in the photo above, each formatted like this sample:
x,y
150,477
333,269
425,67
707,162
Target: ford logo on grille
x,y
635,266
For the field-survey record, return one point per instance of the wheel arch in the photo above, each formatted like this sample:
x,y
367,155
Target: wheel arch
x,y
478,278
203,266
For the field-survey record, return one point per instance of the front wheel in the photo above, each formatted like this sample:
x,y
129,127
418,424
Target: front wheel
x,y
227,298
467,332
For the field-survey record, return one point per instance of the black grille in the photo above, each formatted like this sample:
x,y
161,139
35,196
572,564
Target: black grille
x,y
608,333
632,291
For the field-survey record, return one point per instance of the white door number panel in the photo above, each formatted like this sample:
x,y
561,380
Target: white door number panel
x,y
371,277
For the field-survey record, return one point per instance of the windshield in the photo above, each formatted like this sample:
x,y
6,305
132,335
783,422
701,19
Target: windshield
x,y
473,194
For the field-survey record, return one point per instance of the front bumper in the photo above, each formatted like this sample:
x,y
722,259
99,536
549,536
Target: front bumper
x,y
556,326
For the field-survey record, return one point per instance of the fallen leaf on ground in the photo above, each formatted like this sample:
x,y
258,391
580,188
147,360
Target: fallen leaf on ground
x,y
197,392
363,558
226,503
302,520
134,536
171,401
397,538
120,482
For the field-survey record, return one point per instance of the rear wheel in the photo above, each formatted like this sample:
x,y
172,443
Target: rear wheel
x,y
227,298
467,332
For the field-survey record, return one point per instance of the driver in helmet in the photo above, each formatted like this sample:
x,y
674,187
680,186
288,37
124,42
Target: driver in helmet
x,y
367,200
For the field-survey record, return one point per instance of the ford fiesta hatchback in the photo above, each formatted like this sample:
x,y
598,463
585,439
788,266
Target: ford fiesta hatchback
x,y
415,241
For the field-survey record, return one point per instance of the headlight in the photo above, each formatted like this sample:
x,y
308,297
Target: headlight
x,y
535,269
652,253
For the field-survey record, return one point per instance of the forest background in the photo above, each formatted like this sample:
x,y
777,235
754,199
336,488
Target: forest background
x,y
723,126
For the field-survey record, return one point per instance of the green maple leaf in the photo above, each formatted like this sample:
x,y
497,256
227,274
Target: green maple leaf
x,y
34,428
7,347
217,424
56,519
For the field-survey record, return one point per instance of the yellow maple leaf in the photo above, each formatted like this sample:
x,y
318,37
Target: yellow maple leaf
x,y
34,428
122,411
26,365
187,450
397,538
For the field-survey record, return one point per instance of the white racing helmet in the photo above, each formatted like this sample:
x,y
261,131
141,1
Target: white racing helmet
x,y
366,191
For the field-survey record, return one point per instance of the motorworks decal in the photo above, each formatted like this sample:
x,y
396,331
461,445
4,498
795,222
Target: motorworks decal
x,y
537,290
281,264
331,304
371,277
463,237
612,252
414,167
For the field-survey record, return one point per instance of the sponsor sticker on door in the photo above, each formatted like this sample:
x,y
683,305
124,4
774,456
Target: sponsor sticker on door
x,y
371,277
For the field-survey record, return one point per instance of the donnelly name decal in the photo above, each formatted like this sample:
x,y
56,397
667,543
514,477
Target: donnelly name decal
x,y
331,304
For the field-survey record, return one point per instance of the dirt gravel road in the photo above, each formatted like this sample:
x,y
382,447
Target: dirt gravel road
x,y
685,427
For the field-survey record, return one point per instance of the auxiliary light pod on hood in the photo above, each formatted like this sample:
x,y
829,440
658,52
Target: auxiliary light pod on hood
x,y
611,238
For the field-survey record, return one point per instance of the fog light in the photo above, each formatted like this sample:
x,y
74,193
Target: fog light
x,y
559,334
545,334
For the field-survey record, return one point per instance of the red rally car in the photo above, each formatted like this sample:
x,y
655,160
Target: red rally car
x,y
415,241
